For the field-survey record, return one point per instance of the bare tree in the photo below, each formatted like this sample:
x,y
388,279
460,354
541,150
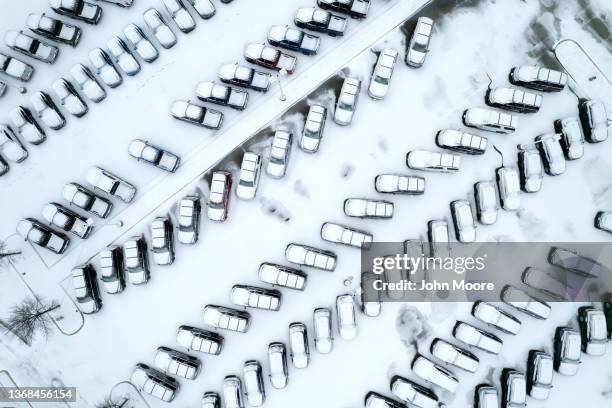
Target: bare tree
x,y
7,255
30,316
110,402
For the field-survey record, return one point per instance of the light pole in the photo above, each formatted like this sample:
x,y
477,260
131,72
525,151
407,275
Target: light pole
x,y
281,74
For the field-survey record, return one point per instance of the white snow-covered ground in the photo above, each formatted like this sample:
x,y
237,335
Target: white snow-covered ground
x,y
470,41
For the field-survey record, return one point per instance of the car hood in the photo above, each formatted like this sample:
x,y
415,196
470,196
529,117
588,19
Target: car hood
x,y
343,116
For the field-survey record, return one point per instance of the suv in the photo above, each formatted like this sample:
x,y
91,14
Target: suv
x,y
86,289
189,219
240,75
258,298
162,241
461,142
27,126
313,129
310,256
514,388
279,275
535,77
136,261
508,185
314,19
293,39
553,158
513,99
433,161
354,8
487,205
195,339
572,139
196,114
226,318
153,382
593,330
418,47
594,120
531,170
176,363
347,101
298,345
268,57
249,176
463,219
379,84
86,200
43,236
399,184
218,201
111,269
54,29
77,9
490,120
341,234
222,95
47,111
279,154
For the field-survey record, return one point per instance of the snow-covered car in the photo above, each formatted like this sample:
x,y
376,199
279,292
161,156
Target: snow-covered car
x,y
279,275
418,47
551,151
293,39
433,161
376,400
103,180
539,374
86,200
253,383
255,297
189,210
250,170
495,317
434,374
279,153
87,83
509,187
439,236
222,95
603,221
313,129
311,256
594,120
153,382
347,101
531,169
463,219
539,78
86,289
218,201
524,302
593,330
43,236
204,8
381,76
462,142
366,208
232,392
15,68
268,57
312,18
226,318
160,29
183,20
30,46
513,99
153,155
412,393
111,269
474,337
47,111
140,43
211,399
195,339
490,120
573,261
69,98
122,56
572,139
454,355
340,234
104,67
371,304
67,220
199,115
298,345
277,359
77,9
567,350
162,241
10,147
399,184
136,262
541,281
322,324
514,388
354,8
54,29
347,320
486,397
174,362
247,77
487,205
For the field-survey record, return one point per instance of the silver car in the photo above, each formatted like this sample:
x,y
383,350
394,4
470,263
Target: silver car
x,y
322,323
268,57
232,392
211,399
198,115
86,289
87,83
513,99
594,120
567,350
11,147
180,15
531,169
103,180
539,78
160,29
195,339
226,318
153,382
277,359
204,8
463,219
77,9
433,161
222,95
162,241
340,234
30,46
347,101
15,68
539,374
86,200
381,77
257,298
354,8
47,111
27,126
189,210
413,394
418,47
376,400
310,256
279,153
253,383
572,139
104,67
136,261
247,77
250,170
399,184
347,320
603,221
366,208
313,129
454,355
61,217
38,234
487,204
474,337
140,43
553,158
461,142
298,345
153,155
69,98
218,201
284,276
509,187
495,317
593,330
293,39
434,374
312,18
54,29
122,56
486,397
111,269
514,389
524,302
490,120
174,362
